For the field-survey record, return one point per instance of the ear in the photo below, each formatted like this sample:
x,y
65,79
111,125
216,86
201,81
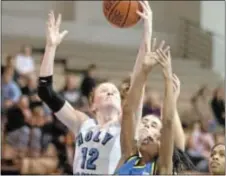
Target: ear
x,y
93,107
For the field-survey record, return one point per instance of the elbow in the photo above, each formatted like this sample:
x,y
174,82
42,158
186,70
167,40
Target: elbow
x,y
42,93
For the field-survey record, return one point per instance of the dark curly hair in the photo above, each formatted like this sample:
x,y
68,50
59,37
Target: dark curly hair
x,y
182,162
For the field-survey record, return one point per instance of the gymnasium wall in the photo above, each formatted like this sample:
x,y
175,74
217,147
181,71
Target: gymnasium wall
x,y
85,18
213,20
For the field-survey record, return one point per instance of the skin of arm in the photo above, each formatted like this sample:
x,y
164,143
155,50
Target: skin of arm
x,y
178,132
137,93
67,114
132,107
167,136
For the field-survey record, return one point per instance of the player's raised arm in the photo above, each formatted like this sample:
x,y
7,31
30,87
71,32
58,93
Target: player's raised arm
x,y
62,109
167,136
138,97
179,132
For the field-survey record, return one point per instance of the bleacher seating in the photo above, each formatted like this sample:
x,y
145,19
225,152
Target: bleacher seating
x,y
117,63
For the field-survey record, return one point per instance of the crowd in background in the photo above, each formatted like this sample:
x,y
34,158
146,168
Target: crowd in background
x,y
36,142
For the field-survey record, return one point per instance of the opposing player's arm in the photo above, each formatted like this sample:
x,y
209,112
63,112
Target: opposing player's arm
x,y
127,142
178,132
167,136
138,92
132,107
62,109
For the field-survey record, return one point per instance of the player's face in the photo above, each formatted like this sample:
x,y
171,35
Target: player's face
x,y
217,160
149,127
107,96
149,135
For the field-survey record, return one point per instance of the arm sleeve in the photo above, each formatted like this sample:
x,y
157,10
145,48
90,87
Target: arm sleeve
x,y
48,95
61,108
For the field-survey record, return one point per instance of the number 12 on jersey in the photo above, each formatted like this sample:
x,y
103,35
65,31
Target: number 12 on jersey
x,y
89,156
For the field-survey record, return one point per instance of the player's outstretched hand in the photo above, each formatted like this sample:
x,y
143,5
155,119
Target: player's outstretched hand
x,y
164,59
146,15
176,87
151,58
53,36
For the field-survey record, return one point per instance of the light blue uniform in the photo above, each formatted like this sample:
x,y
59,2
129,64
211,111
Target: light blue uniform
x,y
130,167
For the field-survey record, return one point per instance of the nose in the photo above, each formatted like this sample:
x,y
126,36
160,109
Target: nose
x,y
109,93
146,126
215,158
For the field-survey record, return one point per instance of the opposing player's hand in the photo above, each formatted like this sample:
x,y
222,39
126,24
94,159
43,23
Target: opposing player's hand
x,y
164,59
176,86
146,15
53,36
151,58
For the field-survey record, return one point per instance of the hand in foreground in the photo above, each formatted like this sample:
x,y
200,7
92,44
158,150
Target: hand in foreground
x,y
151,58
164,59
53,36
146,15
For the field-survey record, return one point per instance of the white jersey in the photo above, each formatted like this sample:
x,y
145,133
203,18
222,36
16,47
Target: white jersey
x,y
97,152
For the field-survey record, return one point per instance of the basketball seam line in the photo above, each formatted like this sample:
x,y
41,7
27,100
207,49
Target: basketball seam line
x,y
126,14
113,8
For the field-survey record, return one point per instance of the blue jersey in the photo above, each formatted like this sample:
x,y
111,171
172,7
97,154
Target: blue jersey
x,y
130,167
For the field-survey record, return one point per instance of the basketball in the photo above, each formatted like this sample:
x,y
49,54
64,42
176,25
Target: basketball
x,y
121,14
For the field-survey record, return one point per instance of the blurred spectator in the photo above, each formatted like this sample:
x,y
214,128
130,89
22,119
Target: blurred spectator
x,y
46,164
218,106
152,104
89,82
30,86
10,64
24,61
200,144
68,140
124,87
16,128
10,90
200,103
220,138
37,122
71,90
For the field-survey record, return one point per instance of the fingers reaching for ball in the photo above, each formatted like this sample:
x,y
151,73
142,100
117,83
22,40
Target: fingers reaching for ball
x,y
146,14
164,59
146,10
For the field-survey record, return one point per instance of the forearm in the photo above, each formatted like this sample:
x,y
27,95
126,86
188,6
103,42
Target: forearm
x,y
138,62
127,132
166,149
169,104
47,65
138,99
178,132
136,91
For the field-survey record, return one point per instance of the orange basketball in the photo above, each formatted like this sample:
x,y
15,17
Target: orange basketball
x,y
122,13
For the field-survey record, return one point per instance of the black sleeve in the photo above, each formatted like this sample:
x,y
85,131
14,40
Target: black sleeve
x,y
48,95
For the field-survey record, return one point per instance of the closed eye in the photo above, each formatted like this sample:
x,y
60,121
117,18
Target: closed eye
x,y
154,124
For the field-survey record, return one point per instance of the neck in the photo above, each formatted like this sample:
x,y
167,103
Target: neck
x,y
145,158
106,115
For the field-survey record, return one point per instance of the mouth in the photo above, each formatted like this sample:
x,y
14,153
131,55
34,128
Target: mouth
x,y
147,140
214,164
